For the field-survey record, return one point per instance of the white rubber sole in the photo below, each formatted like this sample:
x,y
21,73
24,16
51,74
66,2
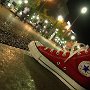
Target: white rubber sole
x,y
52,68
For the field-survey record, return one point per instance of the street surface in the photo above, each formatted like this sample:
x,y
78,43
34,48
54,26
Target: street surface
x,y
16,33
18,71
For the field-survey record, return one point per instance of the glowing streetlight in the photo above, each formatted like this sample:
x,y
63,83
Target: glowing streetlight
x,y
84,10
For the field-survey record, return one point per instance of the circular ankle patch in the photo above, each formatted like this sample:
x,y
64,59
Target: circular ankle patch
x,y
84,68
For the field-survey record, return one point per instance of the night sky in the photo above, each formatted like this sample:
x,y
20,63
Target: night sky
x,y
82,25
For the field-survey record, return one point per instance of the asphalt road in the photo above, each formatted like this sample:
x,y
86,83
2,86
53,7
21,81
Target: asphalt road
x,y
19,71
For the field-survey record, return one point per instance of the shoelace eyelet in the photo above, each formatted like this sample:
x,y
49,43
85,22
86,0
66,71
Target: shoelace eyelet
x,y
58,63
57,53
64,68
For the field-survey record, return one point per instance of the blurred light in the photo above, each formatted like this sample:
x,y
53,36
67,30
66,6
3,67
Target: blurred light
x,y
46,21
9,4
62,42
65,41
72,37
19,2
63,30
60,18
78,47
30,21
68,25
72,32
20,13
57,29
56,32
26,1
62,38
28,15
38,17
44,26
33,17
26,10
84,10
56,37
69,33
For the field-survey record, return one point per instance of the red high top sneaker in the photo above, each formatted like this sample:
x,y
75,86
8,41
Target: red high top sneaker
x,y
72,68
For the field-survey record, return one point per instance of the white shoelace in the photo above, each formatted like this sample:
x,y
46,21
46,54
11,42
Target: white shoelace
x,y
73,51
58,51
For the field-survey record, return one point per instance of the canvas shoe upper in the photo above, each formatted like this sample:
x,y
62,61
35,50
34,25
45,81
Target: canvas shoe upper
x,y
75,64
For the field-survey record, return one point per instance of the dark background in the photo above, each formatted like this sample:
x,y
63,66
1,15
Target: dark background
x,y
82,25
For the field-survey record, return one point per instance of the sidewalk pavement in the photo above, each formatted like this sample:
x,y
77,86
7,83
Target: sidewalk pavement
x,y
18,71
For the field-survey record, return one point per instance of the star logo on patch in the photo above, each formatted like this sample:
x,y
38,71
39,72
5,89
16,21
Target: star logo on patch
x,y
84,68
